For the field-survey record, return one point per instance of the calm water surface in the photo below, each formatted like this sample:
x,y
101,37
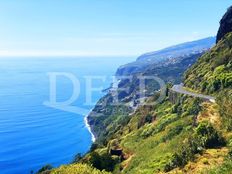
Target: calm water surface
x,y
31,134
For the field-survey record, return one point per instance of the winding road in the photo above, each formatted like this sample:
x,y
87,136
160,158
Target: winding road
x,y
180,89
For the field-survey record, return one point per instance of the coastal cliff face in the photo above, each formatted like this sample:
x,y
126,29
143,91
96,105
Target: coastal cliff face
x,y
106,118
225,25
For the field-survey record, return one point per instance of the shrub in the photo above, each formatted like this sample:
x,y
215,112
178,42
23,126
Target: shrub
x,y
77,169
194,108
205,136
208,136
173,132
224,100
102,161
45,169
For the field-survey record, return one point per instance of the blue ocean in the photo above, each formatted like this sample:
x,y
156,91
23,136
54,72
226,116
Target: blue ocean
x,y
33,134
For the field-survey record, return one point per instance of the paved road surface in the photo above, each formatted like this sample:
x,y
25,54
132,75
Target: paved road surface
x,y
180,89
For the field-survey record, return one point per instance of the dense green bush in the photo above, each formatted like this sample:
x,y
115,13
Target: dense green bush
x,y
208,136
184,154
213,71
204,136
224,100
194,107
103,161
77,169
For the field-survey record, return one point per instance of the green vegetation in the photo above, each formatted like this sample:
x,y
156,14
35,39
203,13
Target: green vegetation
x,y
204,136
225,168
152,139
159,139
213,71
77,169
169,136
224,99
101,161
171,141
106,119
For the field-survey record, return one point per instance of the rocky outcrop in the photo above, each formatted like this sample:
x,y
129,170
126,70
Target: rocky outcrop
x,y
225,25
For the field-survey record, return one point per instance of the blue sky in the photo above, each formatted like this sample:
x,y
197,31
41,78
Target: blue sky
x,y
103,27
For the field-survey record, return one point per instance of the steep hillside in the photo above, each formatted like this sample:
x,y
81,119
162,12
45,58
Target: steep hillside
x,y
106,118
212,74
182,134
213,71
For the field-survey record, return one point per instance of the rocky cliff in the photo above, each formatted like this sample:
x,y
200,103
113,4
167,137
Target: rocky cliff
x,y
225,25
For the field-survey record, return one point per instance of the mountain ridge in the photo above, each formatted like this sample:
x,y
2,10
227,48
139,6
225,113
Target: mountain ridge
x,y
148,59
